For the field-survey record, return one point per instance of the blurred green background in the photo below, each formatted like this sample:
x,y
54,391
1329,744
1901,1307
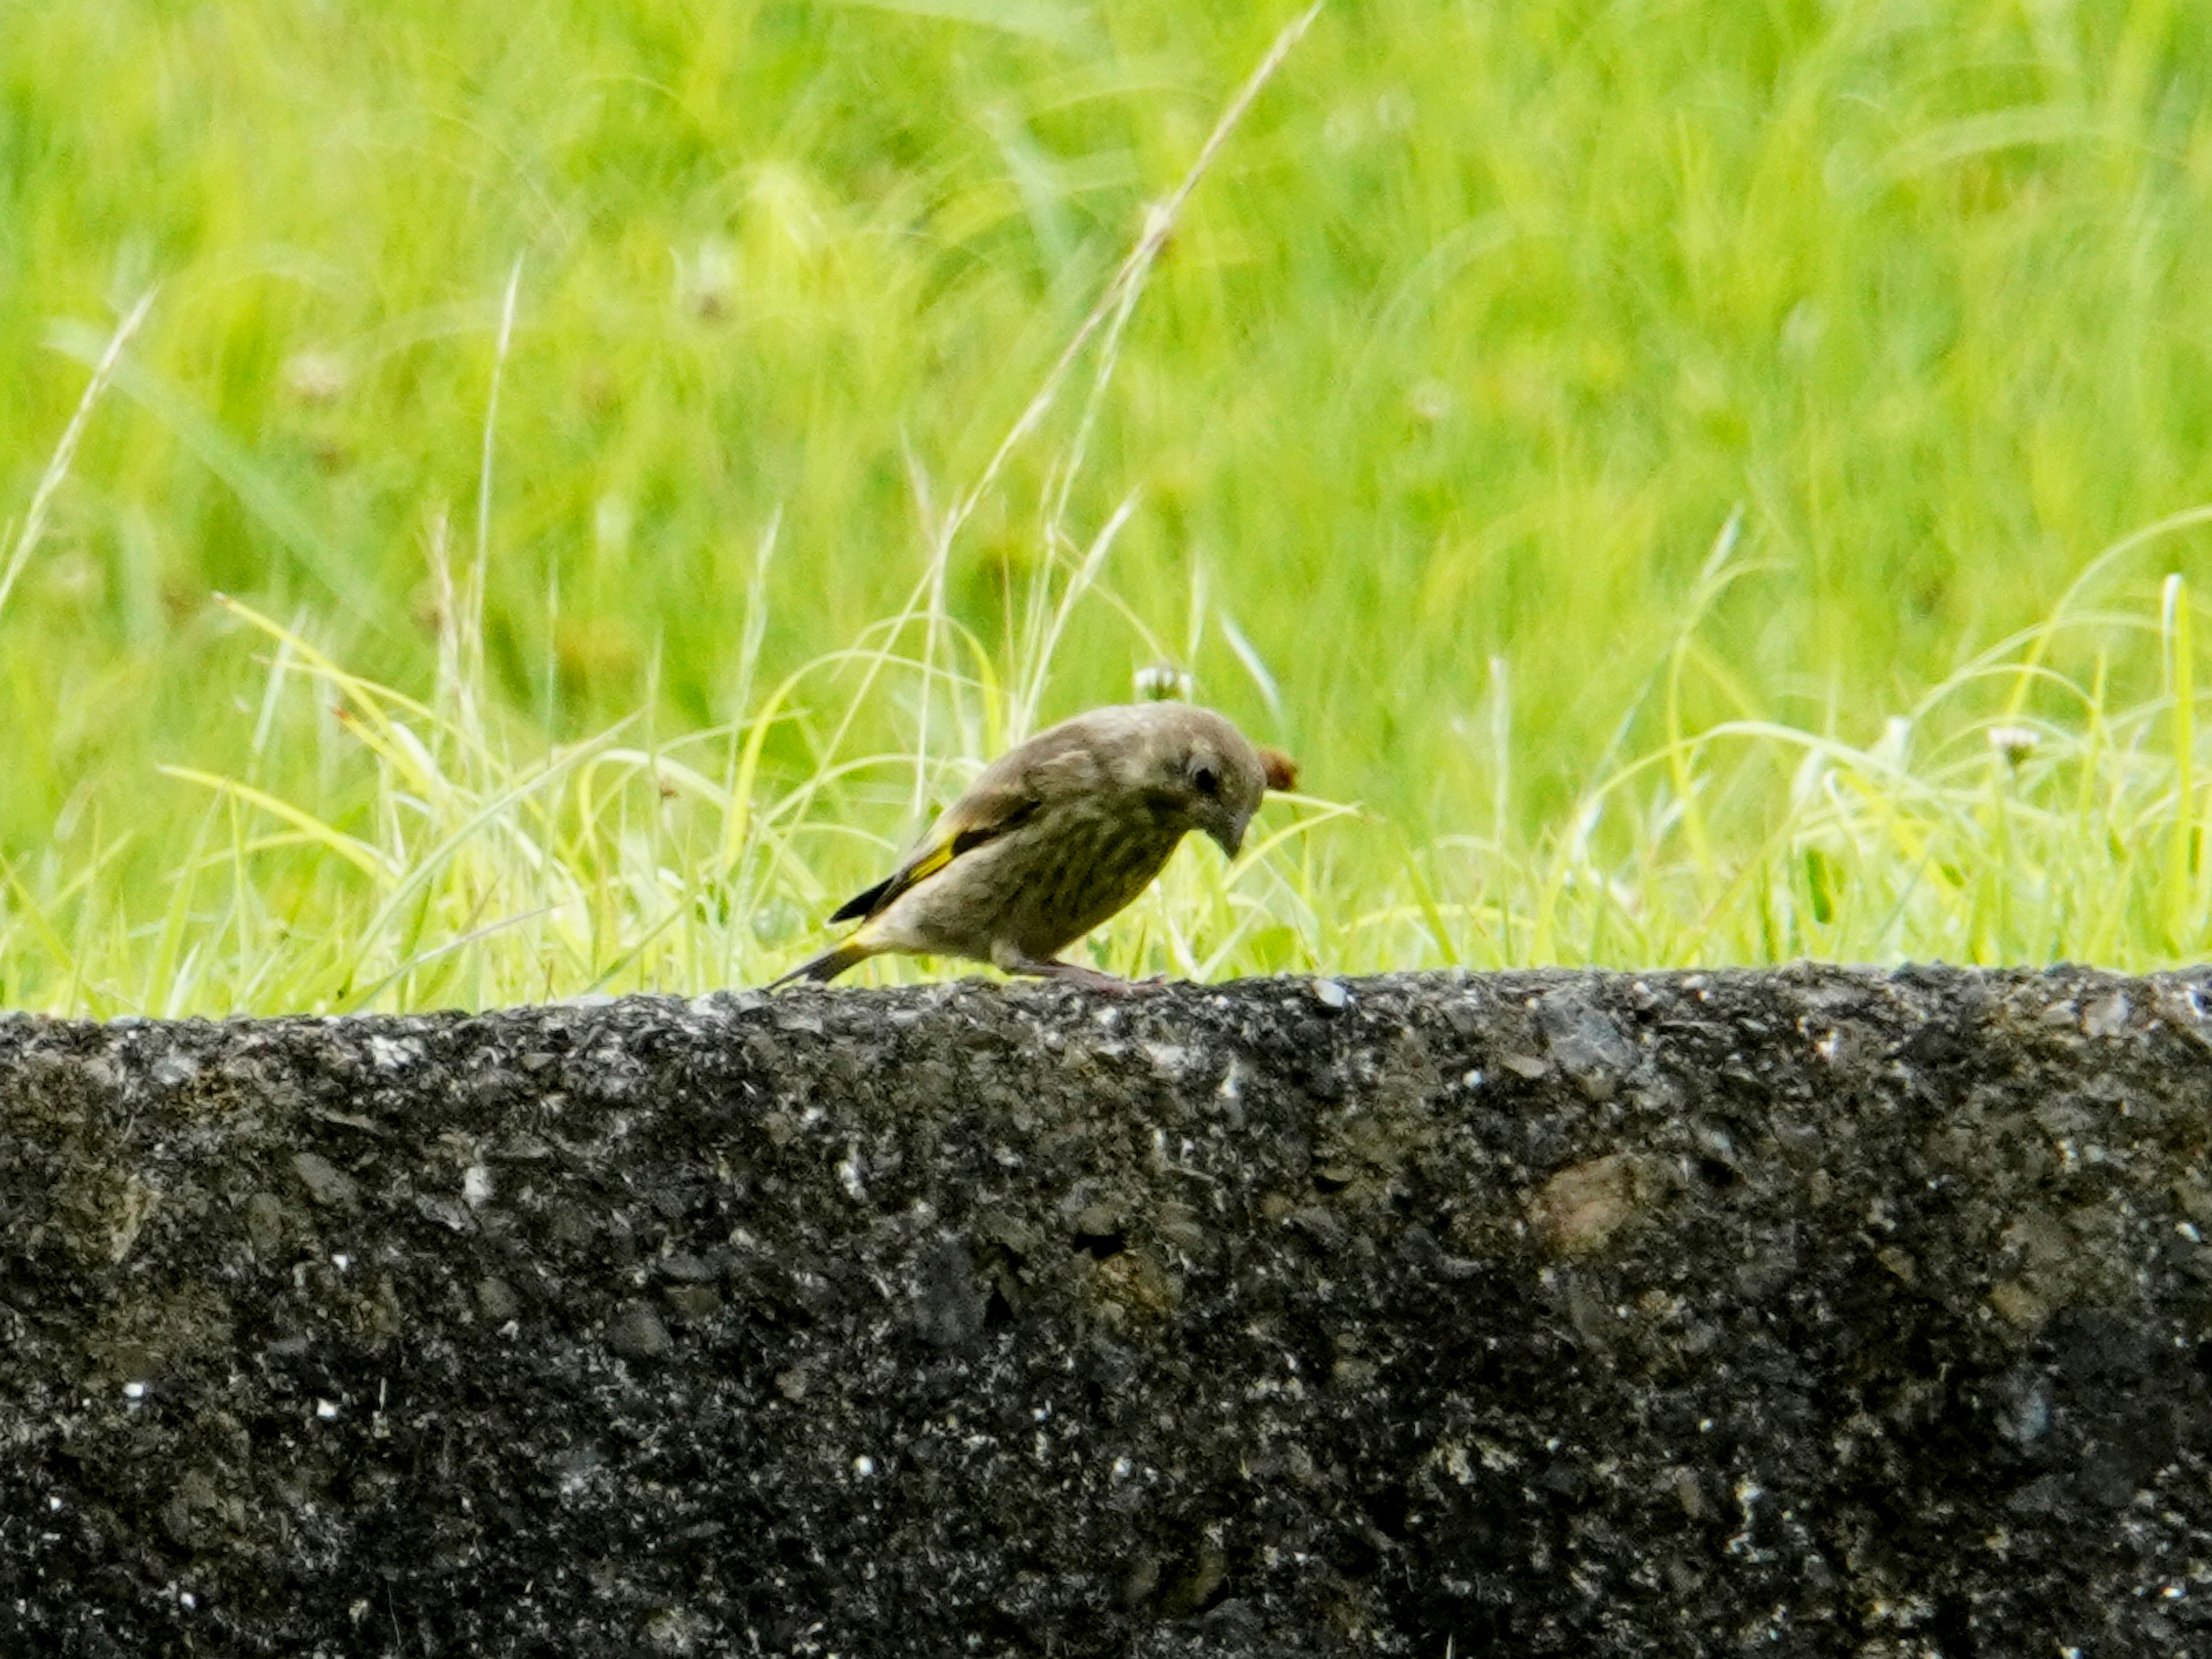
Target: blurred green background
x,y
1489,325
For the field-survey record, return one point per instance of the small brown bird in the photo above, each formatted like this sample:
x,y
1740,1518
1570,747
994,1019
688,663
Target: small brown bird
x,y
1058,834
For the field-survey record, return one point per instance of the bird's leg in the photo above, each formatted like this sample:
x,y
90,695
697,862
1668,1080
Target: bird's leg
x,y
1070,973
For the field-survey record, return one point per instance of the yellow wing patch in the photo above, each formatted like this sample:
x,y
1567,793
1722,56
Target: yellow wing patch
x,y
927,864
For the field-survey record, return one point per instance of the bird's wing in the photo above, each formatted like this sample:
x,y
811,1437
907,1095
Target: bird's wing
x,y
978,817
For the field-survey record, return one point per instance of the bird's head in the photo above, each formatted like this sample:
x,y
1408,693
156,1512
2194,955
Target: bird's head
x,y
1209,776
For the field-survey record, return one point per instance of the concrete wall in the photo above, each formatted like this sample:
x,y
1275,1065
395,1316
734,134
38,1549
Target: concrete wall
x,y
1809,1312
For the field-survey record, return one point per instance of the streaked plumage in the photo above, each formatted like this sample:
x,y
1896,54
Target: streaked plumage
x,y
1058,834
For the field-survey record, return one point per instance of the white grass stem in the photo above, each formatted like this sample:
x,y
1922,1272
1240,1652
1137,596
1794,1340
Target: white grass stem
x,y
57,468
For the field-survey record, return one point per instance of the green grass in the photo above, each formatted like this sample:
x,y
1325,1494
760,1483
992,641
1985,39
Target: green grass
x,y
1691,484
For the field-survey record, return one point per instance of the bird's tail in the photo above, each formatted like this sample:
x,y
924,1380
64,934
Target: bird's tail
x,y
826,967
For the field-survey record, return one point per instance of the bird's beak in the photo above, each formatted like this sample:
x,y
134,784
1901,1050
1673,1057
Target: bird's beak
x,y
1229,837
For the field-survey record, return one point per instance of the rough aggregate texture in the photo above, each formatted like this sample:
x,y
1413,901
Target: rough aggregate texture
x,y
1808,1312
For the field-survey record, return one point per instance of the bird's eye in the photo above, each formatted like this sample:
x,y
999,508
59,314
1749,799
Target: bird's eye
x,y
1206,780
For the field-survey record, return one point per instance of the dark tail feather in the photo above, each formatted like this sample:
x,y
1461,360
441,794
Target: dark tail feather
x,y
826,967
861,904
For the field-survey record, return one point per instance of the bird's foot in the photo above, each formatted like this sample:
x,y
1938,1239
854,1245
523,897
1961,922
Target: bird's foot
x,y
1090,979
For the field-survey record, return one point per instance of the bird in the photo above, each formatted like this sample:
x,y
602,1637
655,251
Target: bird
x,y
1056,835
